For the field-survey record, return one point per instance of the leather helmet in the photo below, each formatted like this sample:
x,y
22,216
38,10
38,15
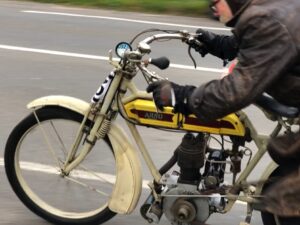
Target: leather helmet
x,y
237,7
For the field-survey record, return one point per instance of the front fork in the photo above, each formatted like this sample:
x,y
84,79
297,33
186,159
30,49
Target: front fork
x,y
100,126
99,130
70,163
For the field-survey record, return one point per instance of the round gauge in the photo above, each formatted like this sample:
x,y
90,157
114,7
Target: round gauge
x,y
121,48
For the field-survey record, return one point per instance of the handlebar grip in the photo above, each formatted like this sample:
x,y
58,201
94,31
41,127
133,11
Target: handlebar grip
x,y
161,62
199,43
193,42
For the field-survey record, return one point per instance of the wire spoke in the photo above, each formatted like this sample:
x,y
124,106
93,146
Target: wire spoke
x,y
63,147
86,186
97,175
50,148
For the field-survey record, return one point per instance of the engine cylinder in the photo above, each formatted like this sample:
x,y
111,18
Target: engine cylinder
x,y
190,158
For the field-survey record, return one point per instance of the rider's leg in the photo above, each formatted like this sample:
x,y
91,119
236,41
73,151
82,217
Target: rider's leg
x,y
283,197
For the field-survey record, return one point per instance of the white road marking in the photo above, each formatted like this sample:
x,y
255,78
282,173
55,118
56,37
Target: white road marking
x,y
37,167
126,20
51,52
96,57
81,174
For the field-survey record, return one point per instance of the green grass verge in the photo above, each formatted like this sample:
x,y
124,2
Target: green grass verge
x,y
180,7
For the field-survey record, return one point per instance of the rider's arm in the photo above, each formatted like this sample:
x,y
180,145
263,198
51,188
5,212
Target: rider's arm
x,y
222,46
265,53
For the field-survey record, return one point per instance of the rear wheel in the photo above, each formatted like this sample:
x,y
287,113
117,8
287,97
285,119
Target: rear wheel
x,y
268,218
34,155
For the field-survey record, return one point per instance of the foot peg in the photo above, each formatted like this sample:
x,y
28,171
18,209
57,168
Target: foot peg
x,y
244,223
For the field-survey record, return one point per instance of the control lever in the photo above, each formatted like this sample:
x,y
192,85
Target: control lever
x,y
193,43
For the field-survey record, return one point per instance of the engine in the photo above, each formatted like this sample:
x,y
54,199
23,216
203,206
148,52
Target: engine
x,y
187,203
189,196
180,206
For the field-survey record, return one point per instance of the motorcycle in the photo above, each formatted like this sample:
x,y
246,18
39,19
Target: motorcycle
x,y
92,171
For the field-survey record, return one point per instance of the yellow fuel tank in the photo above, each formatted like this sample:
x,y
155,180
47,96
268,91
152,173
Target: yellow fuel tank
x,y
145,113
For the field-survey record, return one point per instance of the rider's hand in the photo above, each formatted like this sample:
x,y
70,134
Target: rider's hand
x,y
206,38
167,93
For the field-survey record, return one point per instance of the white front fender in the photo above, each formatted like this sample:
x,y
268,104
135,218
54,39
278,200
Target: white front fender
x,y
128,185
71,103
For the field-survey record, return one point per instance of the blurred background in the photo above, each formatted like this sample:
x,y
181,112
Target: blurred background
x,y
175,7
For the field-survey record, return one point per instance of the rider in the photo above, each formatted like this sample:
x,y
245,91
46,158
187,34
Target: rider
x,y
266,42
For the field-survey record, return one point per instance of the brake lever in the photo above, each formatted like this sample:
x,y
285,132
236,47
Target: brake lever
x,y
191,56
192,42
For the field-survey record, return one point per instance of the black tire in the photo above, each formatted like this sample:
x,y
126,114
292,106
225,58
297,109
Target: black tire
x,y
268,218
20,178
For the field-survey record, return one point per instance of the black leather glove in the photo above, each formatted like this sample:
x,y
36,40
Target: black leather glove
x,y
222,46
167,93
206,38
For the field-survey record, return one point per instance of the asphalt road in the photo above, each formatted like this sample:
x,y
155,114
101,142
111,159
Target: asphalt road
x,y
30,69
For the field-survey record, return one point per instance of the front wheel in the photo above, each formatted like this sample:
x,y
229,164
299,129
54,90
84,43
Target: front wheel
x,y
34,156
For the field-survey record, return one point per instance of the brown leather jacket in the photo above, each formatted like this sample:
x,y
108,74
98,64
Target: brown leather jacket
x,y
268,36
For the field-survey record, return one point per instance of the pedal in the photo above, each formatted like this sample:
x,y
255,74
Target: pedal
x,y
244,223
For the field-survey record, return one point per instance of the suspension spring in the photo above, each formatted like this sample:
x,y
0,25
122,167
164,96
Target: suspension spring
x,y
103,129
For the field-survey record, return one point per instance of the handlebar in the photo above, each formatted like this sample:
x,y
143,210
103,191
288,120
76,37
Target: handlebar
x,y
152,38
185,36
132,59
189,38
